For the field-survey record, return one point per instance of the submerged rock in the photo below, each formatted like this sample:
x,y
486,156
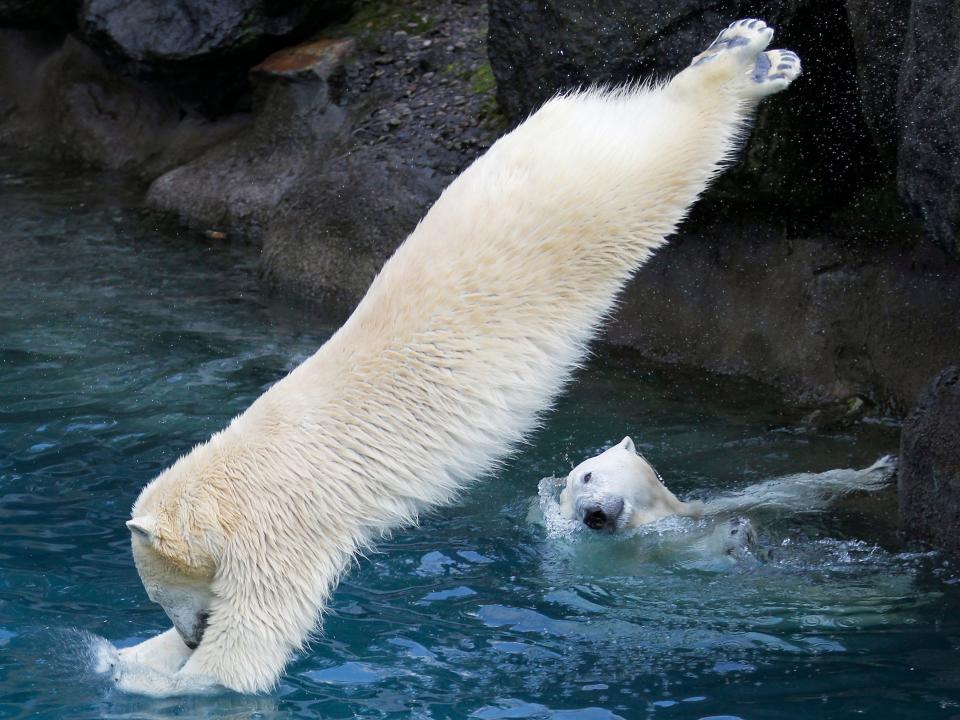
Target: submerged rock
x,y
929,477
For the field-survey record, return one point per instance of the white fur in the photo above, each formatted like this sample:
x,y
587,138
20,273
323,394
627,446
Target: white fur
x,y
619,476
466,335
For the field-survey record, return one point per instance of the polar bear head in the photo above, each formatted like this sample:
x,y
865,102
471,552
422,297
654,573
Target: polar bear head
x,y
618,489
176,540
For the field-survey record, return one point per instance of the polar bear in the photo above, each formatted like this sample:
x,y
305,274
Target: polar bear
x,y
619,489
465,336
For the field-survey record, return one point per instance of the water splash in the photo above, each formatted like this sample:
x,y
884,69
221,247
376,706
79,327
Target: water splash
x,y
805,492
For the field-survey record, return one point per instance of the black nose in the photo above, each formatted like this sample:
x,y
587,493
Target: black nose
x,y
199,628
595,518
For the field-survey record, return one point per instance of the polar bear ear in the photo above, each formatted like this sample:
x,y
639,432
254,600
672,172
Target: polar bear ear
x,y
143,527
627,444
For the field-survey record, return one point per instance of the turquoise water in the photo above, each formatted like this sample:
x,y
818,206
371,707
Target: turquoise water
x,y
124,343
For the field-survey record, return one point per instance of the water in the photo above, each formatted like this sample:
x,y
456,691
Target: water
x,y
123,344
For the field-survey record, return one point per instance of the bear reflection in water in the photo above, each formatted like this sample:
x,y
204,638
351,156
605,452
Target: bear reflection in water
x,y
619,493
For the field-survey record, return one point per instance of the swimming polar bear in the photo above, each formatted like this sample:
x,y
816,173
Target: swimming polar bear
x,y
465,336
618,490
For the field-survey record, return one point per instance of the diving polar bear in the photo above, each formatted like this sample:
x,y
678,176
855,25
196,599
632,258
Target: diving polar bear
x,y
468,332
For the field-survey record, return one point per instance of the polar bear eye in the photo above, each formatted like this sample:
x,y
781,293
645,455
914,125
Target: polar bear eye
x,y
587,476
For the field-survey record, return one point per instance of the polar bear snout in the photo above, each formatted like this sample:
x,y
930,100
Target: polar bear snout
x,y
196,634
601,513
187,606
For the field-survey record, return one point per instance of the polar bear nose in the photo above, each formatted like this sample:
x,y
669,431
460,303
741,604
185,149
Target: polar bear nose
x,y
595,518
603,516
199,627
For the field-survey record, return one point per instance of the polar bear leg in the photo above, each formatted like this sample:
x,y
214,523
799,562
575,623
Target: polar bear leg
x,y
152,667
165,653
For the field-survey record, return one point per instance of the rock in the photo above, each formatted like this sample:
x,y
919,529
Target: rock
x,y
334,233
536,49
59,99
58,13
833,417
822,319
928,102
336,167
318,59
238,185
878,29
929,473
879,102
203,47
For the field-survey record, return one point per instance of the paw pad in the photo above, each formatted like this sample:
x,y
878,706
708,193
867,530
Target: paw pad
x,y
776,66
744,37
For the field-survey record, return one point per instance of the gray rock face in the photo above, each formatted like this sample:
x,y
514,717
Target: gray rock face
x,y
880,96
237,187
59,99
537,48
202,44
879,28
928,170
929,473
822,320
333,234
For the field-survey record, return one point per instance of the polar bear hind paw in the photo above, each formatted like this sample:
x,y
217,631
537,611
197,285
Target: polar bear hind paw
x,y
740,49
741,41
774,71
